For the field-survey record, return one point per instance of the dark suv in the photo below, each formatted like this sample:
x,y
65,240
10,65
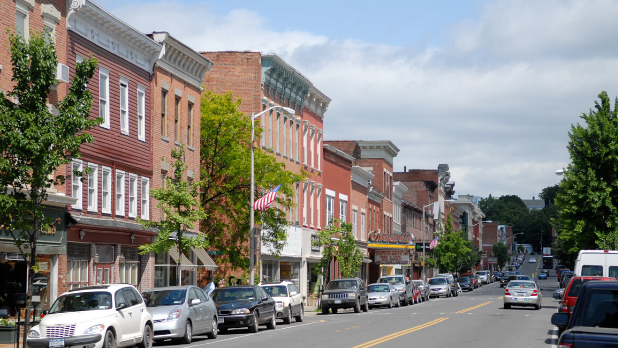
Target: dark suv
x,y
345,293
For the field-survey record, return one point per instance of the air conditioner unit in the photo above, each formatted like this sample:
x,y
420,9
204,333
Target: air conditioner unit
x,y
14,257
62,73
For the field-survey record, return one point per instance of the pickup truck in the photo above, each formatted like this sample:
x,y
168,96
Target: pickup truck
x,y
594,319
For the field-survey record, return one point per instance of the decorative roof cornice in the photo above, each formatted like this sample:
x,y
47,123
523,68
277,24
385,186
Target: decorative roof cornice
x,y
384,149
317,102
361,176
375,194
338,152
285,80
400,189
89,20
181,60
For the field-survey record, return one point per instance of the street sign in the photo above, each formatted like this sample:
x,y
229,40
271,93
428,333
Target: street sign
x,y
214,252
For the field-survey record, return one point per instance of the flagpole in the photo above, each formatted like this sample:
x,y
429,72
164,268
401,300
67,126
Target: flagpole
x,y
252,212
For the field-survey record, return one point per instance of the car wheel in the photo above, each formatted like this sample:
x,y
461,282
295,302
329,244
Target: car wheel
x,y
507,306
357,307
334,310
213,332
288,318
301,315
366,307
110,340
188,337
254,327
324,310
272,324
147,338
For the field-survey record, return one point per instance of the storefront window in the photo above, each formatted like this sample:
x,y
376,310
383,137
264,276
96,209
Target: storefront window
x,y
78,255
270,271
129,266
290,271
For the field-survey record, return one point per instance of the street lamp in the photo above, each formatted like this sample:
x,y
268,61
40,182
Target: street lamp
x,y
252,247
560,172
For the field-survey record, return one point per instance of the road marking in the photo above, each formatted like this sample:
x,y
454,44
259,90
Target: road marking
x,y
475,307
399,334
219,340
501,297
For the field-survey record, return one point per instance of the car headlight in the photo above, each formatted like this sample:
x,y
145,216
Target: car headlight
x,y
241,311
324,297
352,295
94,329
174,315
33,334
279,304
382,297
402,290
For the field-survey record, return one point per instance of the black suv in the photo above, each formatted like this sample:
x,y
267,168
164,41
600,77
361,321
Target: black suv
x,y
345,293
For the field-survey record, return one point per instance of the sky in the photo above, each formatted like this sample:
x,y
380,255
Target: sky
x,y
490,88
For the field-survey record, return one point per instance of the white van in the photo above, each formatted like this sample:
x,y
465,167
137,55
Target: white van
x,y
597,263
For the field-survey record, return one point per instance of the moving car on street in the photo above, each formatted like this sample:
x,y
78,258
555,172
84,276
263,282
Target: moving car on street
x,y
403,286
532,260
543,275
97,316
244,306
289,301
180,312
522,293
345,293
506,278
382,294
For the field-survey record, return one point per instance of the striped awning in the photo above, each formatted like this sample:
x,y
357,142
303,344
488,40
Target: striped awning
x,y
185,264
206,260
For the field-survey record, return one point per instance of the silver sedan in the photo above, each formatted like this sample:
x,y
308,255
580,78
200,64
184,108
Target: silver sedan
x,y
522,293
382,294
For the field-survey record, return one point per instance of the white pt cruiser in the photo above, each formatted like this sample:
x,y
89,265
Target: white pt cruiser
x,y
98,316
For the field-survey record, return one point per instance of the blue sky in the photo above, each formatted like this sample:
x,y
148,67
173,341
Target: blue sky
x,y
490,88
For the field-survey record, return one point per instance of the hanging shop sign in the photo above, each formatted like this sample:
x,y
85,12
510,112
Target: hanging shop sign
x,y
392,257
390,241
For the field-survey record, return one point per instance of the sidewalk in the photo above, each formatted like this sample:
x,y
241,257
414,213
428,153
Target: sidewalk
x,y
309,311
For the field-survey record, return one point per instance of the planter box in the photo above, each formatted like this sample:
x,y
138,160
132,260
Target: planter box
x,y
8,334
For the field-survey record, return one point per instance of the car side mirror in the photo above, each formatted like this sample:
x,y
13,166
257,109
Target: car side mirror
x,y
293,293
560,319
195,301
121,306
265,298
45,312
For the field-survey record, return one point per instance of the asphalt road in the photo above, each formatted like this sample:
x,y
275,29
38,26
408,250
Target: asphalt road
x,y
475,319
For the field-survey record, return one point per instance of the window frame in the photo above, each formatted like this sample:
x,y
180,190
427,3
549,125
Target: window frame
x,y
164,94
22,9
77,184
120,204
190,107
330,212
93,185
145,199
177,101
141,117
107,210
132,196
124,113
106,118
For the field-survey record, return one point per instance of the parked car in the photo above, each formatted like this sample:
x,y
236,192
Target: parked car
x,y
559,272
532,260
522,293
95,316
524,277
465,283
572,291
506,278
452,283
244,306
602,263
439,286
288,300
558,294
180,312
382,294
345,293
473,280
423,288
566,278
593,321
405,288
484,276
497,276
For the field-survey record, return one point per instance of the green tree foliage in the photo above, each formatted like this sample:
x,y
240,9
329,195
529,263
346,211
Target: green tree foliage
x,y
549,194
451,250
225,172
588,194
179,200
501,252
508,210
344,250
470,259
34,141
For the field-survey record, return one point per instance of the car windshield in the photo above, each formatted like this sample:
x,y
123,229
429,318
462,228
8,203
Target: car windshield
x,y
524,277
232,294
341,284
276,290
524,285
463,279
437,281
576,286
508,274
418,282
391,280
378,288
481,273
164,297
85,301
600,309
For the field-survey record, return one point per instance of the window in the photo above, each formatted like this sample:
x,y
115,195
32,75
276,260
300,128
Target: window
x,y
277,138
319,212
270,133
291,137
306,129
104,97
132,195
343,210
163,113
106,184
330,209
297,143
145,199
120,193
354,223
311,205
189,123
588,270
362,226
21,24
311,149
141,118
129,266
78,255
177,120
124,106
93,184
305,204
76,183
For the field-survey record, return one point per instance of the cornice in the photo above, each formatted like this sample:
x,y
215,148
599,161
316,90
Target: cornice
x,y
361,176
382,149
92,22
375,195
285,80
317,102
338,152
181,60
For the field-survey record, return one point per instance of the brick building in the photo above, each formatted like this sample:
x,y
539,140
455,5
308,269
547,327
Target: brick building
x,y
469,218
263,81
493,232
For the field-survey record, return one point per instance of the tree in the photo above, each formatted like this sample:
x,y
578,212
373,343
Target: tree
x,y
472,258
225,173
501,252
179,200
549,194
451,249
347,253
588,194
34,141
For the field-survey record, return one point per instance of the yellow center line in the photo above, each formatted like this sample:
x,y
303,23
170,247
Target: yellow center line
x,y
475,307
500,297
399,334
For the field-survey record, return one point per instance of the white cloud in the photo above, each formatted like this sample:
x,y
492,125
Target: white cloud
x,y
495,102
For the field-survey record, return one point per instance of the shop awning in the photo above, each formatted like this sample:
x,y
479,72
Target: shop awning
x,y
207,261
185,263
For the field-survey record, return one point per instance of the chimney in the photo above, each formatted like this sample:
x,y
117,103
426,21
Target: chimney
x,y
404,169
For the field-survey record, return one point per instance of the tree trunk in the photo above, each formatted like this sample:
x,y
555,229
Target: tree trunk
x,y
31,262
180,253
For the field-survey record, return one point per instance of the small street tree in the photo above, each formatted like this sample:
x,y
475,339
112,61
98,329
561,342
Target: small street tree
x,y
34,142
179,201
471,258
344,250
501,252
587,198
451,249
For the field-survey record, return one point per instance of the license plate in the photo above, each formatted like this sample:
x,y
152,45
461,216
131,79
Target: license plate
x,y
56,342
523,299
337,301
372,302
221,320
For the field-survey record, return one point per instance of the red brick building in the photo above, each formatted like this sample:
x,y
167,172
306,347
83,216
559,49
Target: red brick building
x,y
493,232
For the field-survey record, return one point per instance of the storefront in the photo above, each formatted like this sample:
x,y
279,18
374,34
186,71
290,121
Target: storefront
x,y
389,252
195,264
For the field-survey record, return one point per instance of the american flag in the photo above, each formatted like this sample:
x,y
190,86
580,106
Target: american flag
x,y
268,199
433,243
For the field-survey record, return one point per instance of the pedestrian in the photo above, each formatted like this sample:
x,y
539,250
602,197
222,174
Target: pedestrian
x,y
221,282
239,282
210,286
230,280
